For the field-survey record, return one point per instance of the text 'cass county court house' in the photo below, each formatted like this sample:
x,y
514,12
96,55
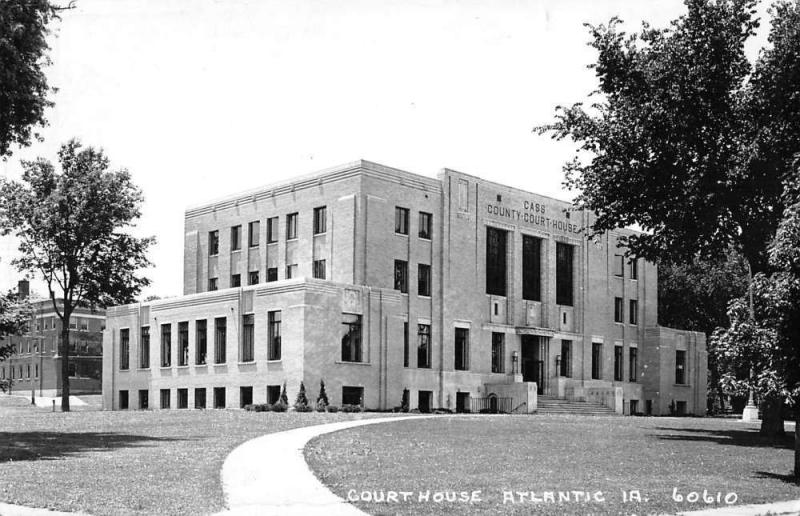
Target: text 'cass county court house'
x,y
377,280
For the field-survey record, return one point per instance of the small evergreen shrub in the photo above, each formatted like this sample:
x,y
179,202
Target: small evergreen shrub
x,y
323,396
302,408
301,402
404,401
321,405
284,399
333,408
279,407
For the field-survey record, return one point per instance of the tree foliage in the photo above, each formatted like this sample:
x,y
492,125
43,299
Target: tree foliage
x,y
15,314
73,229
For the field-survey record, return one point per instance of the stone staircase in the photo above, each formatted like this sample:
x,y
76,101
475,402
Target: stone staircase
x,y
553,405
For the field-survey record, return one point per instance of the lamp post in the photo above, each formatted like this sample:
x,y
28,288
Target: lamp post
x,y
750,412
515,362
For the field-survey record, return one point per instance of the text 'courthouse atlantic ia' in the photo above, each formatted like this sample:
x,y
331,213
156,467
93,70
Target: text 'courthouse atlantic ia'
x,y
378,280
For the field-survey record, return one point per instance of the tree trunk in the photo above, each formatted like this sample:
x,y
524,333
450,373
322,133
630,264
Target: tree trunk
x,y
772,417
65,363
797,443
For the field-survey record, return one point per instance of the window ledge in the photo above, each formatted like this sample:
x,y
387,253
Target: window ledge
x,y
274,360
221,364
250,362
200,365
352,363
404,235
423,296
681,385
236,250
142,369
121,370
295,239
182,366
320,234
166,367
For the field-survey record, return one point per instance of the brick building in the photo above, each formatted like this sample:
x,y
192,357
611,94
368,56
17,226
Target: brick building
x,y
378,280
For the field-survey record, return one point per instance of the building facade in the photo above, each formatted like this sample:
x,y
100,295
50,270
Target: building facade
x,y
35,365
378,280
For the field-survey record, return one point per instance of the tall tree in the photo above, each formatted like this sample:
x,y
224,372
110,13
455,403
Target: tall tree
x,y
73,230
15,314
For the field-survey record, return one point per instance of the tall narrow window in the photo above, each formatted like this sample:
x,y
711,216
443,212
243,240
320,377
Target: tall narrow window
x,y
166,345
220,335
248,338
463,195
144,347
124,348
619,310
291,226
183,343
565,255
351,338
401,220
291,271
183,398
680,367
236,280
319,269
498,352
619,265
200,341
634,311
212,284
566,358
219,397
164,398
597,358
495,261
320,222
213,243
531,268
401,275
272,274
424,280
236,238
461,349
123,400
200,398
252,278
618,364
632,364
634,268
272,230
405,344
253,229
274,335
425,225
424,345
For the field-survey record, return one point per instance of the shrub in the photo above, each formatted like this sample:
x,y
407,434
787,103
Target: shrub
x,y
279,407
284,399
250,408
263,407
301,400
302,408
404,401
321,406
333,408
352,408
323,396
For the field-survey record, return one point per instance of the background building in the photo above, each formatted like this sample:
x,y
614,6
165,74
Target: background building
x,y
375,280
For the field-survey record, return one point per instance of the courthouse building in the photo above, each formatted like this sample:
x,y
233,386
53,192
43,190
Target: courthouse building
x,y
379,280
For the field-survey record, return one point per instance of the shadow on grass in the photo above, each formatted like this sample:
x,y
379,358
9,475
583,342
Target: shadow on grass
x,y
748,438
20,446
789,479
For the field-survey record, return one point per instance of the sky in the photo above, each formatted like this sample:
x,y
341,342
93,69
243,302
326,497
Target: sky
x,y
200,99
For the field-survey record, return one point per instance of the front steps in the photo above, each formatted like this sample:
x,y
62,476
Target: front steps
x,y
553,405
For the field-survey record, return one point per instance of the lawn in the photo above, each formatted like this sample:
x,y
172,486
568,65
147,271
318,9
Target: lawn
x,y
127,462
504,456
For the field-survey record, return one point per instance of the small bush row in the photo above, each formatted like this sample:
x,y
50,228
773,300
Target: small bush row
x,y
280,407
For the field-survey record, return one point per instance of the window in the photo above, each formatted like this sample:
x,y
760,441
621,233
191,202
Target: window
x,y
634,311
164,398
680,367
424,280
236,238
274,335
36,370
401,220
166,345
252,278
632,352
405,344
291,271
273,394
634,266
680,408
618,364
463,195
401,275
272,230
123,400
619,264
319,269
495,261
124,349
213,243
245,396
424,345
84,324
565,255
320,224
531,268
425,225
352,395
236,280
144,396
619,310
351,338
498,343
219,397
291,226
183,343
597,356
253,229
566,358
183,398
248,338
220,331
200,341
73,323
199,398
462,349
212,284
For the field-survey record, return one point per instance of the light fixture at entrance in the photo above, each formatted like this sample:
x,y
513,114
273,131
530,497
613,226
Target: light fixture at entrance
x,y
514,360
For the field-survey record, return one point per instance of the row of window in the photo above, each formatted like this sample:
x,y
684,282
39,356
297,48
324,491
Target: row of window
x,y
318,271
28,345
401,216
51,323
350,396
423,278
254,228
619,267
619,311
26,370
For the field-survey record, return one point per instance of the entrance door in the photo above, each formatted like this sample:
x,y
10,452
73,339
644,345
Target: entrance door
x,y
532,363
462,402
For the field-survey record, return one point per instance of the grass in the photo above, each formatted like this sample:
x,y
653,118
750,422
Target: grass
x,y
554,453
127,462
